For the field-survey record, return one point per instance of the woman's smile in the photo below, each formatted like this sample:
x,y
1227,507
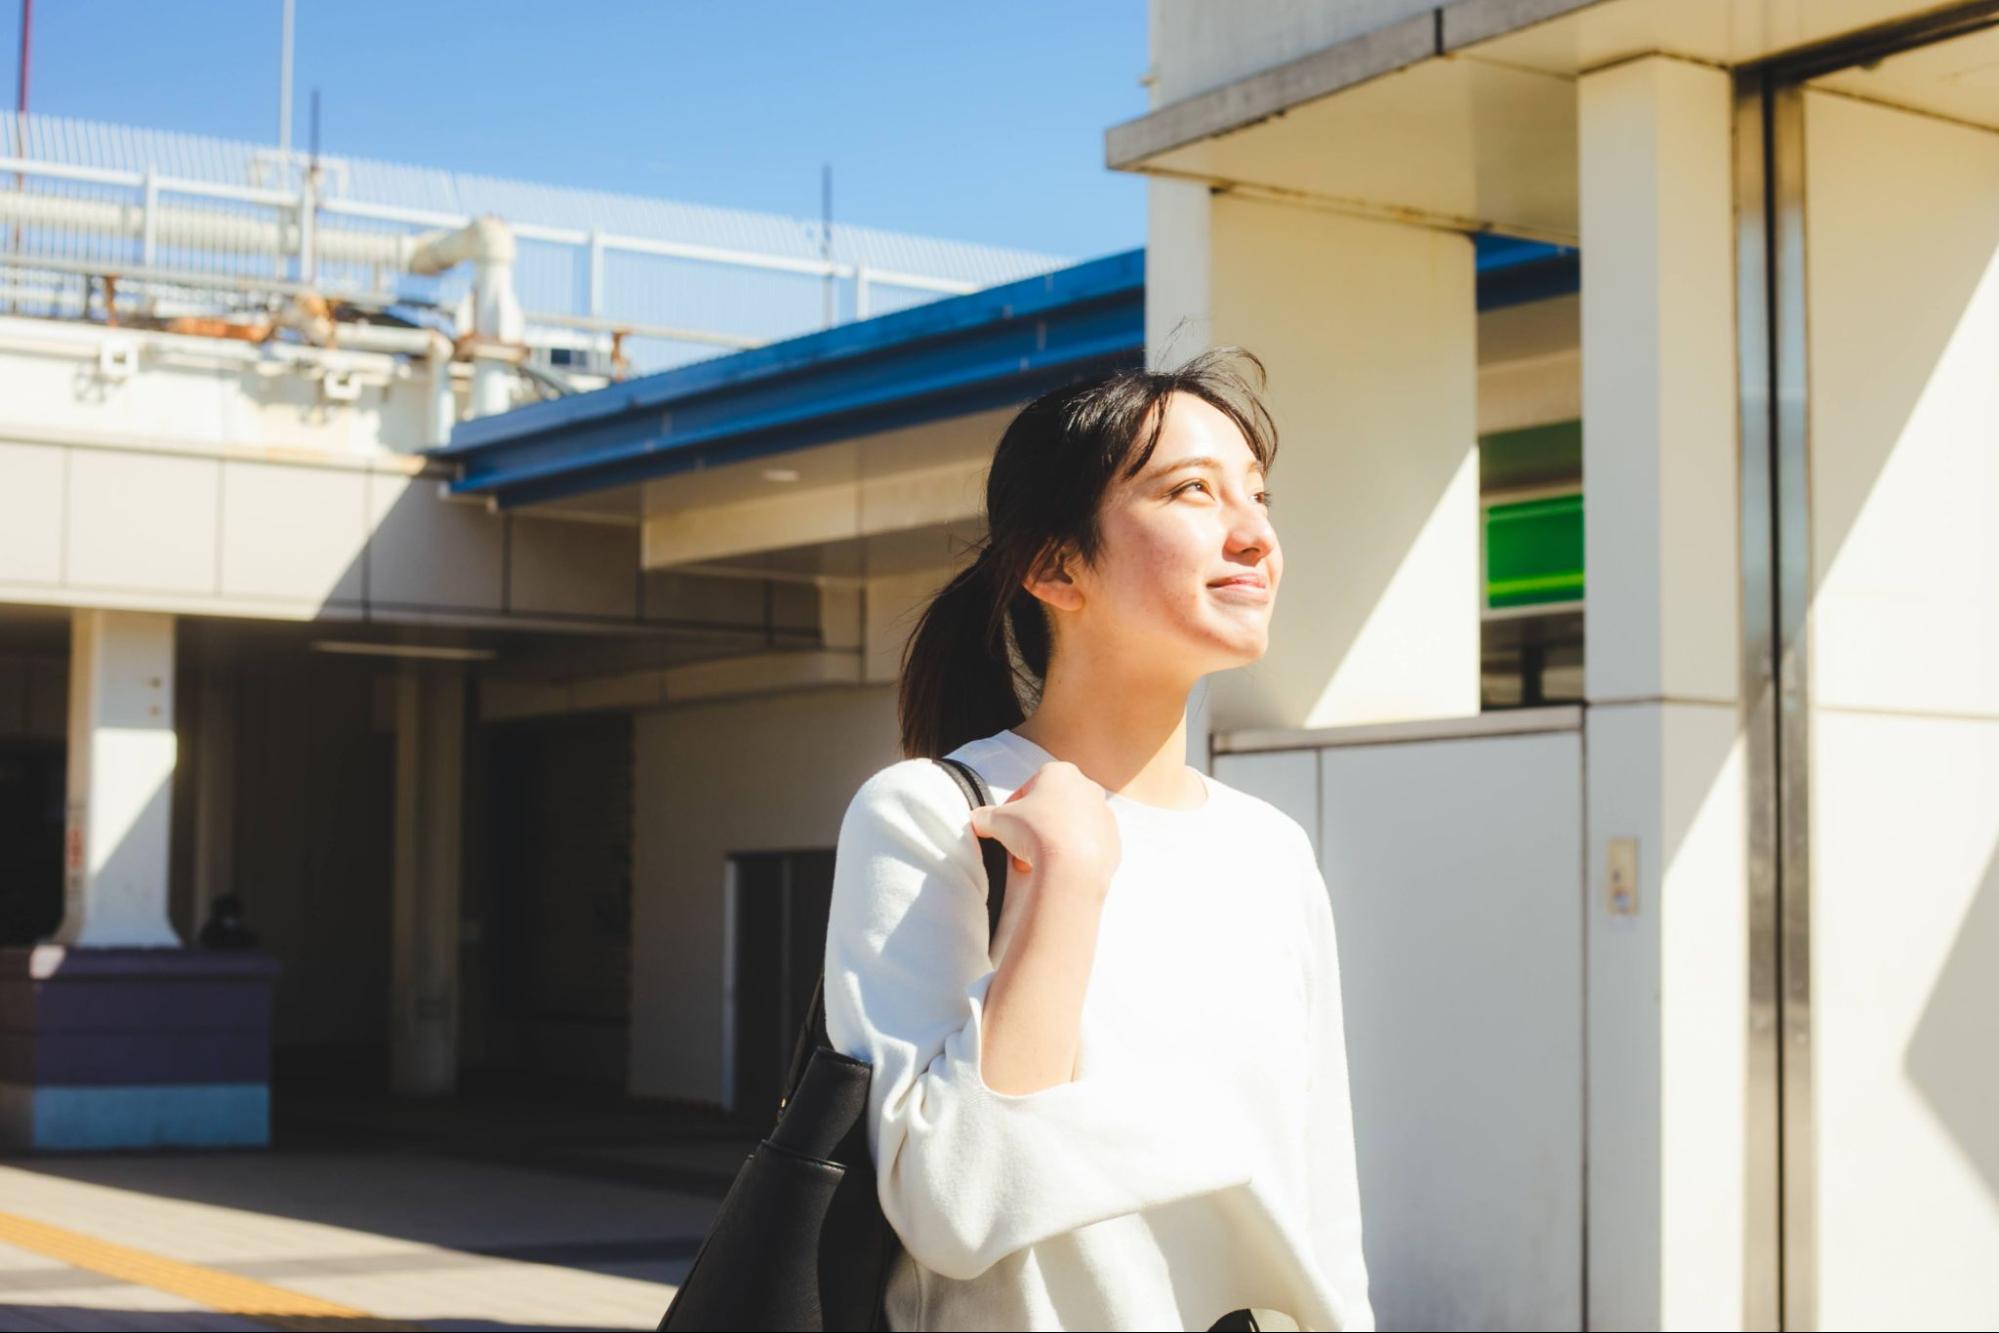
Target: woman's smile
x,y
1250,588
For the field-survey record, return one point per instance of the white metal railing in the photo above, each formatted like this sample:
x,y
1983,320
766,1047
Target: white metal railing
x,y
154,232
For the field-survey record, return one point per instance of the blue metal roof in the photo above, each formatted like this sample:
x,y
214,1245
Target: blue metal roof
x,y
1512,272
948,358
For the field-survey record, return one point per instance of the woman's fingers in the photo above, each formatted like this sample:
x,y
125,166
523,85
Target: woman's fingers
x,y
982,826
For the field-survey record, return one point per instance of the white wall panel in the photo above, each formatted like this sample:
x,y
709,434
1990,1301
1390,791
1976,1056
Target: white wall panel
x,y
1288,779
143,521
293,532
31,513
1457,885
1905,1019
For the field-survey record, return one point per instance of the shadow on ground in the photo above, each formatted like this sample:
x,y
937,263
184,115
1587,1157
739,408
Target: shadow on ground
x,y
524,1170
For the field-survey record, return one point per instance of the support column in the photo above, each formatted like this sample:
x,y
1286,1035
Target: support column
x,y
1177,325
114,1035
122,751
1369,332
1177,245
214,787
423,1000
1667,913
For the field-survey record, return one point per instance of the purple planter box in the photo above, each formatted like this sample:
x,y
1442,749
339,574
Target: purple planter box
x,y
127,1048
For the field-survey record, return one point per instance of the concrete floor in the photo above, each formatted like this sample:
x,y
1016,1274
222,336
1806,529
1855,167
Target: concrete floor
x,y
509,1207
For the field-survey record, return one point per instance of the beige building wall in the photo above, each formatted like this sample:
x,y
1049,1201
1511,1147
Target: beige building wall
x,y
715,779
183,475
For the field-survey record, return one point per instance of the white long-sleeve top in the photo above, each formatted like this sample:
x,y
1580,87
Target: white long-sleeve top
x,y
1200,1161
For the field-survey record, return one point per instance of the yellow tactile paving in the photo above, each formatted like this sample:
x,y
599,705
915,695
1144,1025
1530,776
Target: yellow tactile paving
x,y
223,1292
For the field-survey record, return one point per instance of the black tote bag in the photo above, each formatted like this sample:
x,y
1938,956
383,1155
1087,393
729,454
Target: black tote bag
x,y
800,1241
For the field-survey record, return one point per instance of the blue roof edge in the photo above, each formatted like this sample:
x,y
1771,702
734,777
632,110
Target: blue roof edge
x,y
1109,276
1090,316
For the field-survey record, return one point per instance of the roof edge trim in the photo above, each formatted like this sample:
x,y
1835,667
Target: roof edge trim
x,y
1272,91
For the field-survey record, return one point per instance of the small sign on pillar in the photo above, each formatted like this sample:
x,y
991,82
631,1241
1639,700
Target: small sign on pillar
x,y
1623,889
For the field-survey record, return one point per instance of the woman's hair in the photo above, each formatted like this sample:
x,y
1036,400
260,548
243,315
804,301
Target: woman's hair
x,y
1048,476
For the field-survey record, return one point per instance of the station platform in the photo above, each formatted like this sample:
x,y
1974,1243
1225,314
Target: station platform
x,y
510,1206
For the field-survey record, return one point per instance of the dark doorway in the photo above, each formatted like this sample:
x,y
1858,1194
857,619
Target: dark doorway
x,y
781,902
558,921
31,831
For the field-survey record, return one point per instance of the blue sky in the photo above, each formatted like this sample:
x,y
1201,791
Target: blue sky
x,y
978,123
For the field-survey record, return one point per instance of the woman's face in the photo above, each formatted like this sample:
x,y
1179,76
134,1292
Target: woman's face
x,y
1187,573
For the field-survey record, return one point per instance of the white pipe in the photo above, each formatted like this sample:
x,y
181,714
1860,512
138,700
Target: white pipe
x,y
443,398
426,343
497,321
376,338
87,340
497,318
546,326
204,227
484,240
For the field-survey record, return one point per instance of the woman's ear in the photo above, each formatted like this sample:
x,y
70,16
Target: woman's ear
x,y
1050,582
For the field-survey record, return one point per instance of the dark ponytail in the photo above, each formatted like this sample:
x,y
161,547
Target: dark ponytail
x,y
983,634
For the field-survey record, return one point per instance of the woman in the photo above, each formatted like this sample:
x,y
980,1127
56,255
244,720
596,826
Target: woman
x,y
1131,1112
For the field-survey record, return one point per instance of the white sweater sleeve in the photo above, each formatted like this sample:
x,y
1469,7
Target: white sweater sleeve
x,y
1335,1198
968,1175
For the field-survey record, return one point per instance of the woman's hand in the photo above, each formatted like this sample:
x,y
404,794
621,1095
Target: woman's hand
x,y
1062,842
1060,819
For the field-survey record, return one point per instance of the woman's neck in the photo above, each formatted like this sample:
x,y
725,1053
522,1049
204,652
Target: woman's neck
x,y
1131,741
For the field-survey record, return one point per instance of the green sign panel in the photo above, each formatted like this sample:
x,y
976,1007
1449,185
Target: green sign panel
x,y
1534,551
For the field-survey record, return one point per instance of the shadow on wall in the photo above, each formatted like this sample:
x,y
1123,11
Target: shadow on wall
x,y
1903,310
1961,1018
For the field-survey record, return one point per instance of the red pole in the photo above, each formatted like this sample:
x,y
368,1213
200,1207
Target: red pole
x,y
27,23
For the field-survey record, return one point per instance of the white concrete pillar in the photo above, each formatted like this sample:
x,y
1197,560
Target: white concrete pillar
x,y
423,998
1667,969
214,786
1369,332
1177,321
122,751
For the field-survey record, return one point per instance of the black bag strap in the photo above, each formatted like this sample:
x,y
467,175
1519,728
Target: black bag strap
x,y
813,1034
992,849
